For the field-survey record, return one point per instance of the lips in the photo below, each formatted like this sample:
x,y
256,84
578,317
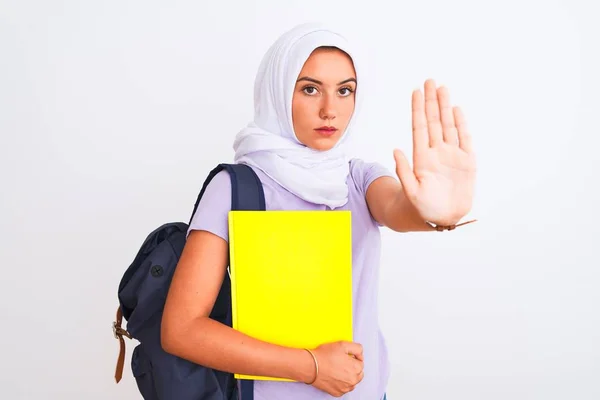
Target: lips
x,y
327,130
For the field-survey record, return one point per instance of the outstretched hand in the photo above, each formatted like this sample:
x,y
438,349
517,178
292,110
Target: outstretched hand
x,y
441,183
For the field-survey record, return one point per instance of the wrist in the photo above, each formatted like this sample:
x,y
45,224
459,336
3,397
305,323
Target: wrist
x,y
402,216
303,366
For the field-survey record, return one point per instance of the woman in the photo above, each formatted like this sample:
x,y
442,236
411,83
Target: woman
x,y
306,94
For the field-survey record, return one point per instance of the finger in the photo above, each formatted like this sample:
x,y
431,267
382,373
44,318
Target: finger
x,y
405,174
464,136
361,375
447,116
419,122
358,366
432,113
355,349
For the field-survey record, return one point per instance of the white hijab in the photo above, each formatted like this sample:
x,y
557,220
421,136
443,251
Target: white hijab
x,y
269,142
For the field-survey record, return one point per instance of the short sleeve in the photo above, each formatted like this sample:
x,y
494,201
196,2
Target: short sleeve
x,y
213,209
364,173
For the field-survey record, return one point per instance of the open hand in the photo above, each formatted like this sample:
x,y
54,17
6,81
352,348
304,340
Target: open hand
x,y
441,183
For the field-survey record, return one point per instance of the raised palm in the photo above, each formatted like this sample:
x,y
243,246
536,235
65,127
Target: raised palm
x,y
441,183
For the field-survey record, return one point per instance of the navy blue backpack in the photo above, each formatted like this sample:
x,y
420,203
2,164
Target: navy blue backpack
x,y
142,294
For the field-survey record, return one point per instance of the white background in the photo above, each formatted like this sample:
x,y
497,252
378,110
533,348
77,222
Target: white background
x,y
112,113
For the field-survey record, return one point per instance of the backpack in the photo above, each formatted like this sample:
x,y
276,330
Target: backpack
x,y
142,294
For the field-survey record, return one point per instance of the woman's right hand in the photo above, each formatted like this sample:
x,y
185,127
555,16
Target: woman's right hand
x,y
340,367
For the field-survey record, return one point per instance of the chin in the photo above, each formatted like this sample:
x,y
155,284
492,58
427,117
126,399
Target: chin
x,y
322,143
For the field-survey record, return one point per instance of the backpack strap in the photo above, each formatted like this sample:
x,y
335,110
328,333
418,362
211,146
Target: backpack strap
x,y
246,194
119,332
246,189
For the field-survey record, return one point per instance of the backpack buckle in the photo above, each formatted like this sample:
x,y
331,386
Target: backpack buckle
x,y
119,332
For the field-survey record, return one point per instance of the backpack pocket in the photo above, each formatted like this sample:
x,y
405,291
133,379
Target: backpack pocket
x,y
142,371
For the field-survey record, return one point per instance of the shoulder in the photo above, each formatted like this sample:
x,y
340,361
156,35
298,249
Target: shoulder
x,y
217,192
214,206
363,173
358,166
221,181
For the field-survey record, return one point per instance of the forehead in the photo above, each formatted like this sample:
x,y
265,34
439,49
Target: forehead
x,y
329,64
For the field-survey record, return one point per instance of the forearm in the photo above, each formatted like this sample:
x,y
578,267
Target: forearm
x,y
212,344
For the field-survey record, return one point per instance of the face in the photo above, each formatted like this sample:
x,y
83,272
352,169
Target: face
x,y
323,100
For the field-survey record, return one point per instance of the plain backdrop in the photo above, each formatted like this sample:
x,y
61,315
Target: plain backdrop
x,y
113,112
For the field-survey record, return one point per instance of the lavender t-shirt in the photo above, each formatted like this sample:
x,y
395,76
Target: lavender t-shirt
x,y
212,216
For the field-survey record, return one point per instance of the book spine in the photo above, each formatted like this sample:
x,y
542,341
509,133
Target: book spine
x,y
231,270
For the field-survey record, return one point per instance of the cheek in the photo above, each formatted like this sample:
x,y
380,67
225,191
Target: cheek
x,y
346,111
302,113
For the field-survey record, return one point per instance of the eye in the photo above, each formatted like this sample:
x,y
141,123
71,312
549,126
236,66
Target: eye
x,y
346,91
309,90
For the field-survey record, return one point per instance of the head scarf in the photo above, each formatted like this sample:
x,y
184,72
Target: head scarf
x,y
269,142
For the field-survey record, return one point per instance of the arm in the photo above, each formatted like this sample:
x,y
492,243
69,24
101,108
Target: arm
x,y
189,333
389,206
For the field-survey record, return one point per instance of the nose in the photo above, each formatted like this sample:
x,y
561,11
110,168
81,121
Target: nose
x,y
327,110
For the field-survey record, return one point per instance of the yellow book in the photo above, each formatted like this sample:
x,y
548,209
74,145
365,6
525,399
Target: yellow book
x,y
291,277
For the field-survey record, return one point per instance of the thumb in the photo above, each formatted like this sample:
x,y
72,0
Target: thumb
x,y
405,174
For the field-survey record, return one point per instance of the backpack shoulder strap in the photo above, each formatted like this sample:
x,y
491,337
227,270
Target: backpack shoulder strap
x,y
246,194
246,189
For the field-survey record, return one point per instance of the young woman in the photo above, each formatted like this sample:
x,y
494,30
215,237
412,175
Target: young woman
x,y
307,92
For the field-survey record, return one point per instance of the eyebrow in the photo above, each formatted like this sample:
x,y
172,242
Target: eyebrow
x,y
309,79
